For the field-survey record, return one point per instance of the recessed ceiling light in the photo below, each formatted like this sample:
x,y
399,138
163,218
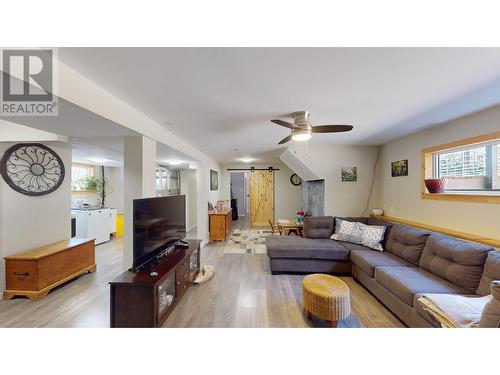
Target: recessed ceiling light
x,y
246,160
99,160
174,162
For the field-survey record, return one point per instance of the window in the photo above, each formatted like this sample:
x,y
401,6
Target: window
x,y
79,176
474,168
498,161
471,168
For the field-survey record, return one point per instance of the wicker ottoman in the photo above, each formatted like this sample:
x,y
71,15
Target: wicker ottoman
x,y
326,297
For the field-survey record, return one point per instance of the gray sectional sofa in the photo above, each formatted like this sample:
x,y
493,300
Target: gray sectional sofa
x,y
413,262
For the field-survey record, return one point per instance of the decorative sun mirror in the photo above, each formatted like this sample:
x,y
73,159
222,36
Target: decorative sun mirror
x,y
32,169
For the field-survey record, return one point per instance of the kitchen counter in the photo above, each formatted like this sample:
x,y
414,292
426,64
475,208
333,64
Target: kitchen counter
x,y
90,208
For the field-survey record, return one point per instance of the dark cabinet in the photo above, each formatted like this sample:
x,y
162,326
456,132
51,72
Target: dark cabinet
x,y
138,299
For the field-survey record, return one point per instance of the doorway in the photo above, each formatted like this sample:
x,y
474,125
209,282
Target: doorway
x,y
261,198
239,191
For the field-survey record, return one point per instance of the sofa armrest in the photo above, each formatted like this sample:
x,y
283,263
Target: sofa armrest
x,y
490,317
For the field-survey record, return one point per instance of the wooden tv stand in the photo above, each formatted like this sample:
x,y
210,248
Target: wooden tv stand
x,y
141,300
35,272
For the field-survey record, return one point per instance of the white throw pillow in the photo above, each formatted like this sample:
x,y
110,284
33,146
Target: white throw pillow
x,y
367,235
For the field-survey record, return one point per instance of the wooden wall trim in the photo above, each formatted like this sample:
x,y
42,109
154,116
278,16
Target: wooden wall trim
x,y
476,198
450,232
463,142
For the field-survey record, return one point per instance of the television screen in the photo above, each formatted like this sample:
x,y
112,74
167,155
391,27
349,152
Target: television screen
x,y
158,224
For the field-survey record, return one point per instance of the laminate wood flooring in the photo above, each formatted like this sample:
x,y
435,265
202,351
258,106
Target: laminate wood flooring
x,y
243,293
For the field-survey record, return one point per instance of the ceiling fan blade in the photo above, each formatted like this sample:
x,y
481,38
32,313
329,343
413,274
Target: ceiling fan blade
x,y
284,123
285,140
331,128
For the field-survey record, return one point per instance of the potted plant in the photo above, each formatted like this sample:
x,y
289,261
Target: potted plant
x,y
97,184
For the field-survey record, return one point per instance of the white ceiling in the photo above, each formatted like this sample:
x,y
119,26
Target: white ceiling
x,y
108,151
73,121
166,155
222,99
94,139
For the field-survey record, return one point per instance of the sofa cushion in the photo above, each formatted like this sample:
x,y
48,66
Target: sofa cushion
x,y
491,272
318,227
367,260
405,282
305,248
457,261
407,242
353,246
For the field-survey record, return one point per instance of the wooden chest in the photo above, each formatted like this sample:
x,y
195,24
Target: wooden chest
x,y
35,272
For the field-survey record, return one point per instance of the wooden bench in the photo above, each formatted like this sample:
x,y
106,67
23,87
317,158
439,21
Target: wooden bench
x,y
35,272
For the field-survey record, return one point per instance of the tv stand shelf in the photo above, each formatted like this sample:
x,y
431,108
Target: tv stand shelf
x,y
141,300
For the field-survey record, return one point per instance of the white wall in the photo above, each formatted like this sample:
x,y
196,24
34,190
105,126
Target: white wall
x,y
220,193
400,196
83,92
188,188
286,196
205,195
114,199
342,198
27,222
139,176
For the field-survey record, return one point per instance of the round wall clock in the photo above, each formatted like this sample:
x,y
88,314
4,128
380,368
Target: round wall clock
x,y
295,180
32,169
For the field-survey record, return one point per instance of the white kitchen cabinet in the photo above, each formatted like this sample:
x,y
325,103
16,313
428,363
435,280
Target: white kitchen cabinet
x,y
93,224
112,220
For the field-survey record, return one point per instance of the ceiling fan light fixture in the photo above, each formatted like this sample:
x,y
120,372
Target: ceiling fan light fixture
x,y
301,135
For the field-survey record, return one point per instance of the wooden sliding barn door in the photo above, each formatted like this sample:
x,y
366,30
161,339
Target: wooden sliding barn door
x,y
261,198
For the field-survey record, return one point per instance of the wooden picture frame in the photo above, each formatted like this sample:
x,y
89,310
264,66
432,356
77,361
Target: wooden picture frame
x,y
214,180
349,174
399,168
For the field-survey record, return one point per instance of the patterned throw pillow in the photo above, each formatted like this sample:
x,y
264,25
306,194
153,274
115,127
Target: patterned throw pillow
x,y
367,235
347,231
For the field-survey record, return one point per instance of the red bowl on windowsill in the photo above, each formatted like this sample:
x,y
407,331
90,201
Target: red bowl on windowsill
x,y
436,185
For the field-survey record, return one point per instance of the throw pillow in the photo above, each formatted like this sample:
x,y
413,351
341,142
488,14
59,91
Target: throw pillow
x,y
347,231
354,232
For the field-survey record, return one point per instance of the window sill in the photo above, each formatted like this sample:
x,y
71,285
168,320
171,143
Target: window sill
x,y
463,197
83,191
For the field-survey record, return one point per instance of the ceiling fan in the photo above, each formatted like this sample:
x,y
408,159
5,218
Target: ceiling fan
x,y
302,129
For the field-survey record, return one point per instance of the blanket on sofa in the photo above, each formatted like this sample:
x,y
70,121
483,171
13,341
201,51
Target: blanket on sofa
x,y
453,310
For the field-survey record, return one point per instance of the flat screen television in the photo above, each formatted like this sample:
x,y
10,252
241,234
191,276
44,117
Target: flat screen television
x,y
158,224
